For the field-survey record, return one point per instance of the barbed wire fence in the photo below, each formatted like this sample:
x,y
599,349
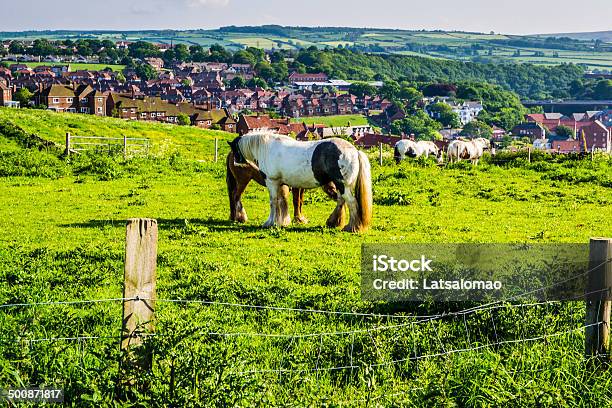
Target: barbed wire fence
x,y
594,328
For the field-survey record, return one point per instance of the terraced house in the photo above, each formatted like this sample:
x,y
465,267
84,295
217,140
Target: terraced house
x,y
75,99
156,109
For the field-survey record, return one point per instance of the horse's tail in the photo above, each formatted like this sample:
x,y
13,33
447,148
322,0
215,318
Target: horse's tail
x,y
232,185
363,194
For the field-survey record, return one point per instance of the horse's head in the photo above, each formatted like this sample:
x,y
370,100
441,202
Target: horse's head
x,y
396,155
411,152
239,159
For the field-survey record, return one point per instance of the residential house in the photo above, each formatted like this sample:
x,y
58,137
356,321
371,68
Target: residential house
x,y
297,77
6,93
216,117
566,146
75,99
253,123
156,63
596,136
533,130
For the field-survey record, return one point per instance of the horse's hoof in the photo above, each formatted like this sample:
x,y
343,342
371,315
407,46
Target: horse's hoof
x,y
353,229
301,220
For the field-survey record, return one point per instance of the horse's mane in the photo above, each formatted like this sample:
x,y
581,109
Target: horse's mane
x,y
254,142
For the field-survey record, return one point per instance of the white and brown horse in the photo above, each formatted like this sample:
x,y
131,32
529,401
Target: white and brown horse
x,y
282,161
238,178
409,148
467,149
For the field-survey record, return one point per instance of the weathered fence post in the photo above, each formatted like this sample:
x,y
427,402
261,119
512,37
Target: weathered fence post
x,y
124,147
593,152
599,299
380,158
529,155
139,286
216,149
67,144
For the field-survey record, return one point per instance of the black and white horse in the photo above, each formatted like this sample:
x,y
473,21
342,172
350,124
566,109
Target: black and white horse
x,y
467,149
281,160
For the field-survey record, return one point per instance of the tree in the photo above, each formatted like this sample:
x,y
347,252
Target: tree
x,y
603,89
565,131
17,47
181,53
265,70
146,72
143,49
23,96
183,119
444,114
419,124
411,96
477,128
257,83
361,89
390,90
42,47
238,82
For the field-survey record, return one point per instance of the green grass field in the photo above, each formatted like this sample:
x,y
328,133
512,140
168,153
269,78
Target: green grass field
x,y
334,121
73,66
192,142
63,239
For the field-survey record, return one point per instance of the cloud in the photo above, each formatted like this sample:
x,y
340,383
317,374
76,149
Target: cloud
x,y
208,3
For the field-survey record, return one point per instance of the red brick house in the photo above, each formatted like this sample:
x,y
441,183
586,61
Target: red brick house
x,y
567,146
6,93
66,98
297,77
368,140
596,136
248,123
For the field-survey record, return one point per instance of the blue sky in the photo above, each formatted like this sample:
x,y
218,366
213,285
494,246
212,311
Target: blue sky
x,y
515,16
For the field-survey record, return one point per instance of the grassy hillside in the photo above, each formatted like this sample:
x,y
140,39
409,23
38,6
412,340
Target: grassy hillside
x,y
190,141
66,237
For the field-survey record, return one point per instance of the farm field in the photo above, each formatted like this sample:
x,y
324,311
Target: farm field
x,y
65,237
73,66
451,45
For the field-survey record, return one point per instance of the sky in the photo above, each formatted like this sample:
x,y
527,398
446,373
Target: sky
x,y
501,16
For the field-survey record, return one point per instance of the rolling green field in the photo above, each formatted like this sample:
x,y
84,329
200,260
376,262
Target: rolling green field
x,y
335,120
63,239
192,142
73,66
455,44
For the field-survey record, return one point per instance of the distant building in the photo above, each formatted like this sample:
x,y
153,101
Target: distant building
x,y
532,130
297,77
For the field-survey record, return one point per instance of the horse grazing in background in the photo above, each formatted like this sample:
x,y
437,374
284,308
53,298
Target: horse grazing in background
x,y
281,160
409,148
467,149
238,178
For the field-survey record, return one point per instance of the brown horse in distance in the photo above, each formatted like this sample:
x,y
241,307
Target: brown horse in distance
x,y
238,178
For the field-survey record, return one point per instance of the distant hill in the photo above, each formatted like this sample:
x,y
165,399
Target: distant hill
x,y
605,36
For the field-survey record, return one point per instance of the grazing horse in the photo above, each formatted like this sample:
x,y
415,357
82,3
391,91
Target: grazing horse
x,y
238,178
467,149
408,148
281,160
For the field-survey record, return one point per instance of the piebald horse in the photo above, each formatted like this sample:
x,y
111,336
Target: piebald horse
x,y
409,148
238,178
467,149
281,160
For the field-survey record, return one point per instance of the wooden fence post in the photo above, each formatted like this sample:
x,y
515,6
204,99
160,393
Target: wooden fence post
x,y
124,147
598,301
380,155
529,155
593,152
67,144
216,150
139,285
